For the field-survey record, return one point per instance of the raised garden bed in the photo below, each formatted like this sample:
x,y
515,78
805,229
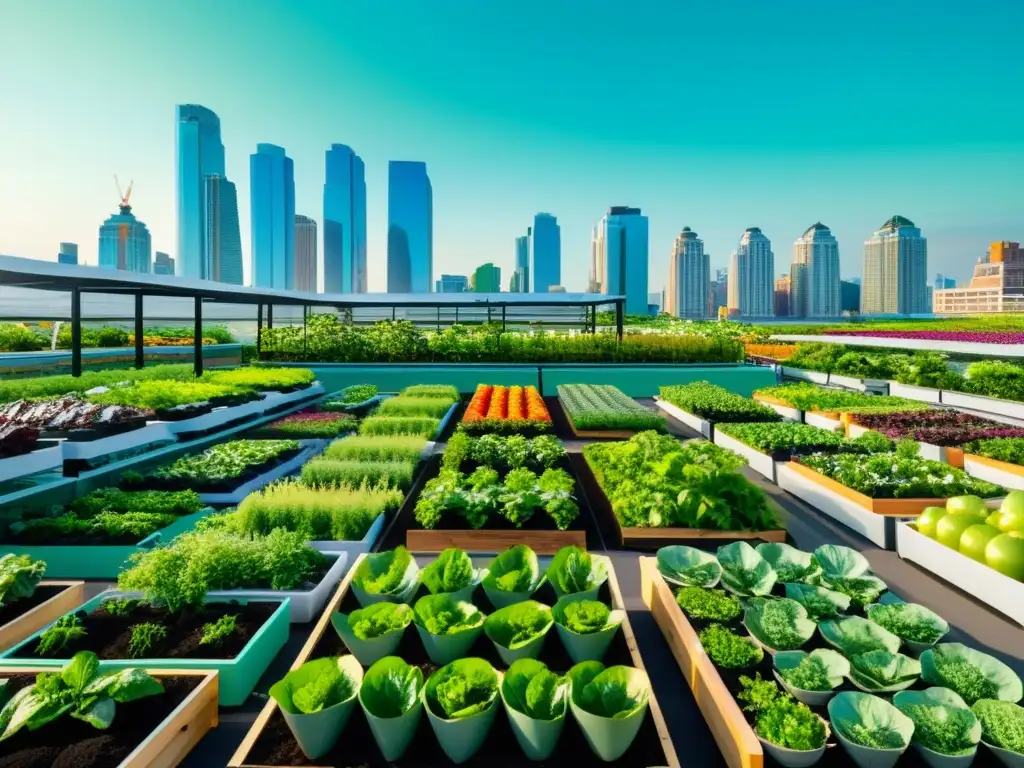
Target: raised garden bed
x,y
45,455
50,600
506,410
159,732
993,470
764,446
702,426
270,742
993,405
785,410
914,392
603,411
239,662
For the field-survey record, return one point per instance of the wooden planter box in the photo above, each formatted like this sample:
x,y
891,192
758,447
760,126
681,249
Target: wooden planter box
x,y
994,471
71,596
735,738
180,731
873,519
785,410
241,757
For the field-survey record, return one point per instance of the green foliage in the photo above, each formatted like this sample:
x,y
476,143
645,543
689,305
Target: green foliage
x,y
401,448
779,624
615,693
810,674
942,723
708,604
216,632
262,378
19,576
531,688
514,570
419,426
433,407
909,621
60,635
387,573
450,572
391,687
582,617
224,461
464,688
1008,449
1002,724
809,397
971,674
442,391
122,606
604,407
717,404
18,338
315,686
874,738
324,472
575,570
441,615
161,395
518,624
728,650
144,637
355,394
744,571
40,387
379,619
779,718
881,670
853,635
996,378
503,451
785,437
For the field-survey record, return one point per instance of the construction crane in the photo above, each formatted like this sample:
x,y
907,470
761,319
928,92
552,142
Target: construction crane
x,y
125,196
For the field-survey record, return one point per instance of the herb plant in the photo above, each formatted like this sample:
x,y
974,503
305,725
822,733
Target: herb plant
x,y
222,462
779,624
819,670
122,606
708,604
1002,724
405,405
144,637
61,635
819,602
417,426
729,650
783,439
909,621
717,404
216,632
971,674
943,723
604,407
779,718
403,448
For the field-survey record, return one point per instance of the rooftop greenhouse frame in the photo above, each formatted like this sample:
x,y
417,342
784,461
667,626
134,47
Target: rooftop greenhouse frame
x,y
76,280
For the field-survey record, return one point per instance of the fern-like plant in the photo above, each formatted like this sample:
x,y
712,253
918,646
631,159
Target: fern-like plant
x,y
144,637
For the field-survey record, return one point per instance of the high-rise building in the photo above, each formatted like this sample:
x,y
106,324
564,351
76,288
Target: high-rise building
x,y
753,274
895,270
942,282
996,286
520,281
305,254
619,257
689,277
223,238
68,253
272,194
732,296
850,292
486,279
547,253
125,243
452,284
163,264
719,291
410,228
814,274
782,292
344,222
655,301
200,154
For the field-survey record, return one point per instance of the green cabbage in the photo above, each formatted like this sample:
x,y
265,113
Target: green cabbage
x,y
853,635
869,721
688,566
744,571
789,563
882,671
781,625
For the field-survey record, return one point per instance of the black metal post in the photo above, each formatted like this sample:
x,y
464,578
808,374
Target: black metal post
x,y
76,332
259,327
456,314
593,319
305,317
618,317
140,358
197,337
503,308
392,313
438,318
270,316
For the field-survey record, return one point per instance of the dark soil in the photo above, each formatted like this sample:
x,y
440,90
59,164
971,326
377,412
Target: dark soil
x,y
199,485
356,747
108,636
12,611
70,743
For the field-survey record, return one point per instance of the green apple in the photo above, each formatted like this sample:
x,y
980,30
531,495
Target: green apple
x,y
995,519
929,517
1005,553
974,540
1011,517
1014,503
966,505
951,527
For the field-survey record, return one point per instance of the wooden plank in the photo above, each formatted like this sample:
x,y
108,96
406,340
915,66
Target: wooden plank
x,y
885,507
735,738
541,542
665,536
238,760
30,622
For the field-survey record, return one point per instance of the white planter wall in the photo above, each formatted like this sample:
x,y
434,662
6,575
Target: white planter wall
x,y
984,404
31,463
815,377
759,462
817,420
693,422
912,392
353,548
992,474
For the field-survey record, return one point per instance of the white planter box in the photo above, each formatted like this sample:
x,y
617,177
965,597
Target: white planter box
x,y
984,404
817,420
310,449
786,412
215,419
816,377
154,432
912,392
30,463
759,462
860,385
999,592
927,450
304,605
353,548
273,400
695,423
871,526
983,470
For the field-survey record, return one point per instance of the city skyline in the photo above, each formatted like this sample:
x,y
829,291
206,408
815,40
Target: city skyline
x,y
492,168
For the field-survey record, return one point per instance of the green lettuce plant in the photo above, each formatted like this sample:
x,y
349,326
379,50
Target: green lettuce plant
x,y
611,692
391,687
943,723
779,718
971,674
1002,724
853,635
515,570
464,688
585,617
883,672
689,566
19,576
517,625
819,670
819,602
869,721
909,621
727,649
744,571
573,570
789,563
315,686
440,615
781,625
79,690
450,572
846,571
61,635
531,688
216,632
378,619
708,604
387,574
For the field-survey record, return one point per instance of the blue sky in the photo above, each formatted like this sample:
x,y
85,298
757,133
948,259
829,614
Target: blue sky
x,y
714,115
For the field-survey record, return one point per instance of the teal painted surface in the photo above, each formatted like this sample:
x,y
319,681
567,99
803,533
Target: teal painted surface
x,y
236,677
392,378
101,562
643,381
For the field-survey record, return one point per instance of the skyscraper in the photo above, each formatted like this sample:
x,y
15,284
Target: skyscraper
x,y
689,277
272,195
125,243
68,253
814,275
200,154
619,257
521,276
732,286
547,252
223,239
163,264
452,284
850,292
943,283
486,279
305,254
410,228
895,270
344,221
754,275
782,292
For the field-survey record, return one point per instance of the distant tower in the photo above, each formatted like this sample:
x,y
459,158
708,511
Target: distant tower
x,y
547,253
620,257
814,275
410,228
199,155
224,241
305,254
344,221
68,253
754,274
124,240
272,195
521,275
895,270
163,264
689,277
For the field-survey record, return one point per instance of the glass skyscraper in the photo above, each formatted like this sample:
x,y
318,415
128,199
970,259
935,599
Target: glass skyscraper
x,y
305,254
547,252
452,284
486,279
272,197
125,243
223,239
163,264
410,228
68,253
200,154
344,221
521,276
619,257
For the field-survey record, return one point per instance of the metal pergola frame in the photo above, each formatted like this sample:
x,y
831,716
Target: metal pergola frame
x,y
77,280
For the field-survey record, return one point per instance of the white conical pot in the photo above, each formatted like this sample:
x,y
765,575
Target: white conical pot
x,y
503,599
793,758
461,739
608,738
939,760
444,649
366,651
1005,756
393,734
529,650
868,757
537,738
365,598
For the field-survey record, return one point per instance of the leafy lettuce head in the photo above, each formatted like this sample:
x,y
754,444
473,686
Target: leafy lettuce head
x,y
612,692
387,573
318,685
531,688
515,570
440,615
462,689
585,617
452,571
744,571
377,620
516,625
575,570
688,566
391,687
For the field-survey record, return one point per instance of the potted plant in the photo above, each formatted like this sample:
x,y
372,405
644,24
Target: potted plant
x,y
390,697
513,576
586,627
373,632
391,577
1002,730
872,731
518,630
574,571
819,602
946,731
317,699
787,729
448,628
847,571
883,672
852,635
460,702
536,700
744,571
914,624
811,677
789,563
971,674
609,704
778,625
689,566
452,574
